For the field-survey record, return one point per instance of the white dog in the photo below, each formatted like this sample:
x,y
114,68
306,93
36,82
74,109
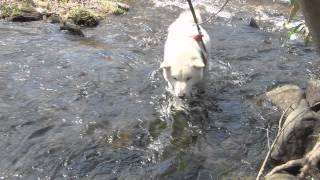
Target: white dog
x,y
185,60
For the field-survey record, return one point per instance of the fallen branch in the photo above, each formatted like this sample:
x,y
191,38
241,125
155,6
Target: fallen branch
x,y
280,129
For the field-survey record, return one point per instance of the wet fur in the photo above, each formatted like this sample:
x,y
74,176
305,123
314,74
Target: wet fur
x,y
183,66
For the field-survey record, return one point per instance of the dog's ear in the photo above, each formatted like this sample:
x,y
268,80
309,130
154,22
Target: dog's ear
x,y
198,63
165,65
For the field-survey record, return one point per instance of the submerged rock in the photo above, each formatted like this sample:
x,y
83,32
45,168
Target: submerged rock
x,y
54,18
71,28
253,23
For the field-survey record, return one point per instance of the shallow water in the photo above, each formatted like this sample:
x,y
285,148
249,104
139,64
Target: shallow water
x,y
96,107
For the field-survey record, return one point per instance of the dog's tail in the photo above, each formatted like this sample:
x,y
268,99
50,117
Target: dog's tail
x,y
187,16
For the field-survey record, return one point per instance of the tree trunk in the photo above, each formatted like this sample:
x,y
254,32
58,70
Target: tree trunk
x,y
311,11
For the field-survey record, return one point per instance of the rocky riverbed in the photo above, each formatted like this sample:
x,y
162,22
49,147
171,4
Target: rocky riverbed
x,y
95,107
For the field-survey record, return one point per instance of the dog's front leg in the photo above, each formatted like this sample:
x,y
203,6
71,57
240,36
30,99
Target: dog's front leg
x,y
166,75
170,87
202,87
203,84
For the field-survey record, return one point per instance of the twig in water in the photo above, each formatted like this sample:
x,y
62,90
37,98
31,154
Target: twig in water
x,y
273,144
268,138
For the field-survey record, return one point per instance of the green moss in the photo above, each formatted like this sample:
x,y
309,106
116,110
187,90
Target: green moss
x,y
118,11
73,10
84,17
157,127
181,132
182,161
9,11
63,1
112,7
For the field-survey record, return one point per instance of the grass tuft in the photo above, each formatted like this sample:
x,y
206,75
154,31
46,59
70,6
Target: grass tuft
x,y
7,10
84,17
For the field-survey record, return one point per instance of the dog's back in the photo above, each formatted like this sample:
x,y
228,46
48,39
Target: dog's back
x,y
185,61
181,31
184,25
186,16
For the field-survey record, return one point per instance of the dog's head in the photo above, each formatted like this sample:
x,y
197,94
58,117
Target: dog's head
x,y
183,71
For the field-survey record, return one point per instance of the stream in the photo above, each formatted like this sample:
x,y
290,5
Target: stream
x,y
96,107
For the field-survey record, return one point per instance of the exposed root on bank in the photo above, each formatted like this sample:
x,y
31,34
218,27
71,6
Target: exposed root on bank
x,y
311,160
308,164
287,165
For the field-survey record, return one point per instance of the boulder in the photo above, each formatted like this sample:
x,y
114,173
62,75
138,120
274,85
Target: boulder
x,y
285,96
24,15
84,17
313,92
298,134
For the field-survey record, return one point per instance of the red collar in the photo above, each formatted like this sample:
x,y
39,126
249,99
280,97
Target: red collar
x,y
197,37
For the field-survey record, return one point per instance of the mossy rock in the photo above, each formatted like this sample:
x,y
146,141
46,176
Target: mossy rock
x,y
156,127
9,11
115,8
120,8
118,11
84,17
19,13
71,28
54,18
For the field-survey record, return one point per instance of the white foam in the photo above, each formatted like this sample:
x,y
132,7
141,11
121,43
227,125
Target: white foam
x,y
209,6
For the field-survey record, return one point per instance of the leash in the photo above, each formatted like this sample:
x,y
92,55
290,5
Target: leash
x,y
198,38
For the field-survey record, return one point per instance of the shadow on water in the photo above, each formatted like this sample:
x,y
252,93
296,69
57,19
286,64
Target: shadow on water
x,y
95,108
176,135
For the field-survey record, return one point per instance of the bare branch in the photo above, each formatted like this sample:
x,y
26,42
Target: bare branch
x,y
209,19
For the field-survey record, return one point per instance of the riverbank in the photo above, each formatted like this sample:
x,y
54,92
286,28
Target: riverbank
x,y
86,13
96,108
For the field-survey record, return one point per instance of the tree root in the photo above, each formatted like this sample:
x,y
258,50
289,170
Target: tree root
x,y
280,129
308,163
287,165
311,161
